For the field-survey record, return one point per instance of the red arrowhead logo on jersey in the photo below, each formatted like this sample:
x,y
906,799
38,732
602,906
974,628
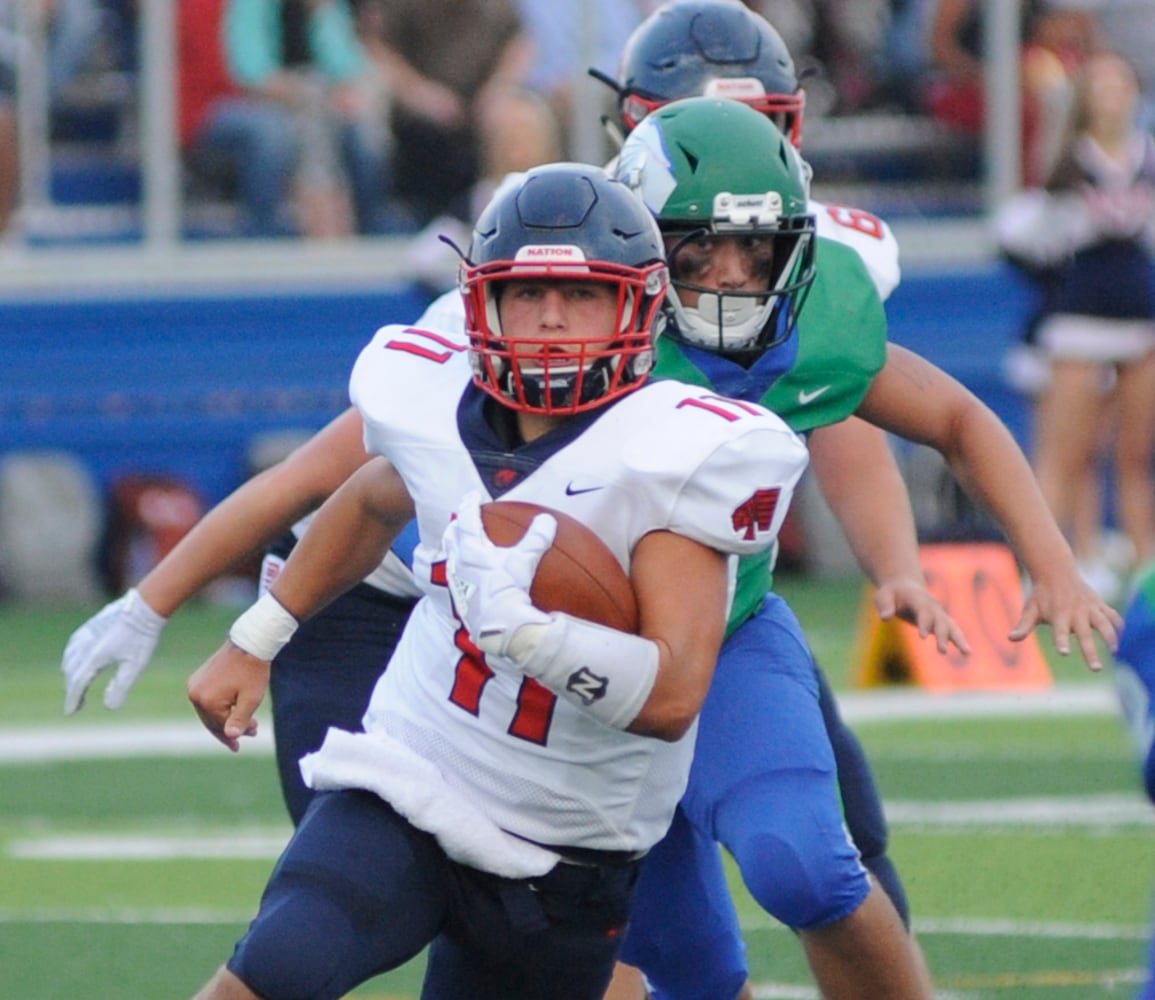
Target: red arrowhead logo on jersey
x,y
503,479
755,514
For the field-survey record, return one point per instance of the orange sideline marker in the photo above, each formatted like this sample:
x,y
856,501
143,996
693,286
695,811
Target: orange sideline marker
x,y
979,585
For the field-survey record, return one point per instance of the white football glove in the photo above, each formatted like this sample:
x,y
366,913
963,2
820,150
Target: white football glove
x,y
123,633
603,671
490,583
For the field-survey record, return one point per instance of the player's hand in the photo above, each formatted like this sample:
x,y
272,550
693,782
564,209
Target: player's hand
x,y
122,634
1070,607
226,691
489,584
910,601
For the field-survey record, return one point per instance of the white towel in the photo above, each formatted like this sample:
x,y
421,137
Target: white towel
x,y
416,789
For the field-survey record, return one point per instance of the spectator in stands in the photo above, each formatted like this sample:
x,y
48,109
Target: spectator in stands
x,y
567,40
304,56
445,59
1094,227
1056,38
225,131
72,31
1128,26
836,45
518,130
9,136
76,30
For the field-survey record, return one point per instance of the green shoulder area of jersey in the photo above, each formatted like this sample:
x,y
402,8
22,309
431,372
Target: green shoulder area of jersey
x,y
841,344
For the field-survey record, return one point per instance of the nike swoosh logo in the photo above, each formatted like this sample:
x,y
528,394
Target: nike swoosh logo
x,y
809,395
573,491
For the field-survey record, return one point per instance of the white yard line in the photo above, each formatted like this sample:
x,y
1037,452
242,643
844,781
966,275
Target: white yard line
x,y
1106,811
181,738
84,741
253,845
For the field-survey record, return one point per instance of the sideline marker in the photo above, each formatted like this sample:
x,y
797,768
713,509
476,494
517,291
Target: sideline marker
x,y
978,583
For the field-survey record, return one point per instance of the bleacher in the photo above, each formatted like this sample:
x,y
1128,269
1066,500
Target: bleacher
x,y
182,385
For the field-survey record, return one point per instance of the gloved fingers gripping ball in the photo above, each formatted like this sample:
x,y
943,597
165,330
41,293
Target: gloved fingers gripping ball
x,y
585,649
490,583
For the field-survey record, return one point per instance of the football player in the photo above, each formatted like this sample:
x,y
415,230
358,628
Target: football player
x,y
499,800
730,199
357,629
1135,684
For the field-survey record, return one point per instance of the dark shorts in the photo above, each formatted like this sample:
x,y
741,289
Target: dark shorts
x,y
360,891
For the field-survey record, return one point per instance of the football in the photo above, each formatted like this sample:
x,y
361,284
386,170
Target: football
x,y
578,574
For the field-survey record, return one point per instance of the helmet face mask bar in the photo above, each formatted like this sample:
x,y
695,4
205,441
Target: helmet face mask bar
x,y
565,225
708,48
735,321
722,180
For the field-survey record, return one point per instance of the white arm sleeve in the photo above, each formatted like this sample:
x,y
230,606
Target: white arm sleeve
x,y
608,673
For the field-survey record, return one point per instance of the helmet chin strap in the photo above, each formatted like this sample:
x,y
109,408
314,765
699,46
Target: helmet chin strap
x,y
559,388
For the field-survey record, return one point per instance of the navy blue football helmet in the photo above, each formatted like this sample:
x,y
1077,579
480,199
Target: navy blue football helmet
x,y
564,222
709,48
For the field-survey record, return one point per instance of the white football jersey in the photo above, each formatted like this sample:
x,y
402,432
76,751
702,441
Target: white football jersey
x,y
665,457
868,236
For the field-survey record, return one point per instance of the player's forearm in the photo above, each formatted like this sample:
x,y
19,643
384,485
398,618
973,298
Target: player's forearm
x,y
861,482
991,467
346,541
241,525
686,621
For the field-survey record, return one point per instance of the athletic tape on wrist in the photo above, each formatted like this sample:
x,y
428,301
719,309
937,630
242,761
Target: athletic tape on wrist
x,y
265,629
608,673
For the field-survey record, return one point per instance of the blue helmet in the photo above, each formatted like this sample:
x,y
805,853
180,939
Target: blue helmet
x,y
709,48
563,222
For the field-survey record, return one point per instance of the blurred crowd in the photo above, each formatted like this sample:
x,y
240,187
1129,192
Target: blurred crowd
x,y
328,118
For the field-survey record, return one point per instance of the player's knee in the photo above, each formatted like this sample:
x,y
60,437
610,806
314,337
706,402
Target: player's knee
x,y
798,887
297,950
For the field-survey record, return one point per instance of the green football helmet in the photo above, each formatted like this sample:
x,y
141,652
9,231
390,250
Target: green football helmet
x,y
711,169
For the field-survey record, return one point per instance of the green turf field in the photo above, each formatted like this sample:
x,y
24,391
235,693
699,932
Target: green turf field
x,y
1024,840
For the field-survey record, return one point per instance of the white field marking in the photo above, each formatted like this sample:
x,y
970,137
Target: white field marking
x,y
1108,811
39,744
1053,814
1050,929
789,991
995,927
892,704
80,741
250,845
207,915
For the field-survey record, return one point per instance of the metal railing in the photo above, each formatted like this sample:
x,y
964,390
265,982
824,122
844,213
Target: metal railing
x,y
162,256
